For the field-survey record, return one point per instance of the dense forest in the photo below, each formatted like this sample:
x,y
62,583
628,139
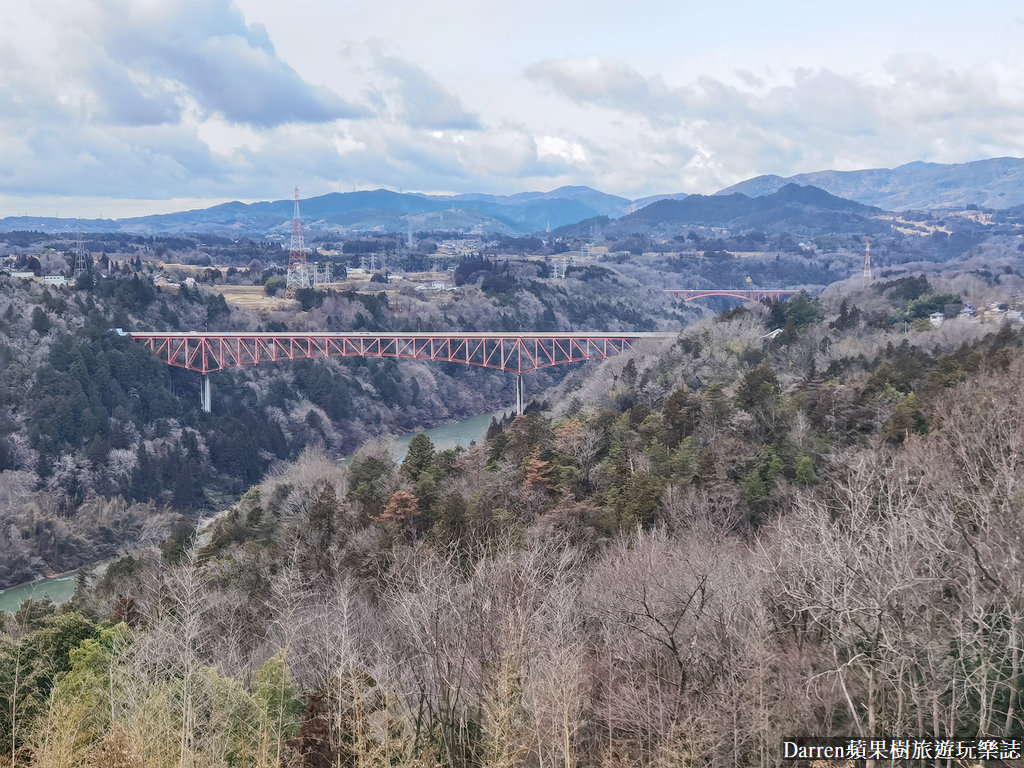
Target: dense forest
x,y
686,555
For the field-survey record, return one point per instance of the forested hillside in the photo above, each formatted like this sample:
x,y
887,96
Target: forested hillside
x,y
692,553
102,446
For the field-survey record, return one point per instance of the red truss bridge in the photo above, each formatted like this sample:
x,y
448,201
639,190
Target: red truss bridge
x,y
745,294
516,353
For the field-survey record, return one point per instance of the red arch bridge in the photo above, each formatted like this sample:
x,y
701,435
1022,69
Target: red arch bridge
x,y
516,353
744,294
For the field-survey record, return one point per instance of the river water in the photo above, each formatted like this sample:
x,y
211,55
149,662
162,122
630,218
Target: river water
x,y
61,588
451,435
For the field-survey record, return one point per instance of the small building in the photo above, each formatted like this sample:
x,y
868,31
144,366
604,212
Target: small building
x,y
436,285
24,275
994,311
55,280
936,318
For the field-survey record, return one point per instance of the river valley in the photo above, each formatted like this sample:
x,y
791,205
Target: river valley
x,y
61,588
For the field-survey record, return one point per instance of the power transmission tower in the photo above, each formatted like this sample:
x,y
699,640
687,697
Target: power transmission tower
x,y
298,269
322,273
867,262
81,265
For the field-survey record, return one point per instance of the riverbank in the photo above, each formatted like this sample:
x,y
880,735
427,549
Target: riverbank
x,y
61,588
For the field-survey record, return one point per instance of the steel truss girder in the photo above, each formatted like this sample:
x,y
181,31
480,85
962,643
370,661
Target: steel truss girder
x,y
512,353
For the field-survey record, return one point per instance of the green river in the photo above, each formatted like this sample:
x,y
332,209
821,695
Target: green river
x,y
61,588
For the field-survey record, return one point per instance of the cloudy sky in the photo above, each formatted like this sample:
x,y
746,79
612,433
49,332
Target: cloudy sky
x,y
119,107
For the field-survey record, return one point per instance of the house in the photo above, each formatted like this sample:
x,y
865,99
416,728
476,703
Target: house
x,y
437,285
995,311
936,318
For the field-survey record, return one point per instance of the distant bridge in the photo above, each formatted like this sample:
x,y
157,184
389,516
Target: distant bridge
x,y
516,353
744,294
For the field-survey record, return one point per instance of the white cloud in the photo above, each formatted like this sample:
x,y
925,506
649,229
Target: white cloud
x,y
246,98
206,48
345,145
419,99
553,146
914,108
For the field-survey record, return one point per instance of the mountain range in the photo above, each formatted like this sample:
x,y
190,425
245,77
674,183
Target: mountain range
x,y
372,211
993,183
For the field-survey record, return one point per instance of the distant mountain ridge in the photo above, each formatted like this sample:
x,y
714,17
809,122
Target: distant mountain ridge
x,y
575,211
796,208
994,183
722,209
368,211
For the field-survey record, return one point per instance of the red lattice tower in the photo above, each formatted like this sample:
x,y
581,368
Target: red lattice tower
x,y
298,269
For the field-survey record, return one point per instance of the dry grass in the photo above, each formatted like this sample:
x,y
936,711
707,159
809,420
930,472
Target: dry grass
x,y
252,297
912,227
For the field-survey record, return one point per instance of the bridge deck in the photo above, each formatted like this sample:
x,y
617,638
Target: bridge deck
x,y
398,334
511,352
746,294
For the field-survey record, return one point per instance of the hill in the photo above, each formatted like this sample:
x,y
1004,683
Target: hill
x,y
792,208
993,183
645,201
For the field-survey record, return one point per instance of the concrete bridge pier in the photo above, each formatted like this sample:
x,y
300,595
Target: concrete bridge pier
x,y
520,395
204,393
